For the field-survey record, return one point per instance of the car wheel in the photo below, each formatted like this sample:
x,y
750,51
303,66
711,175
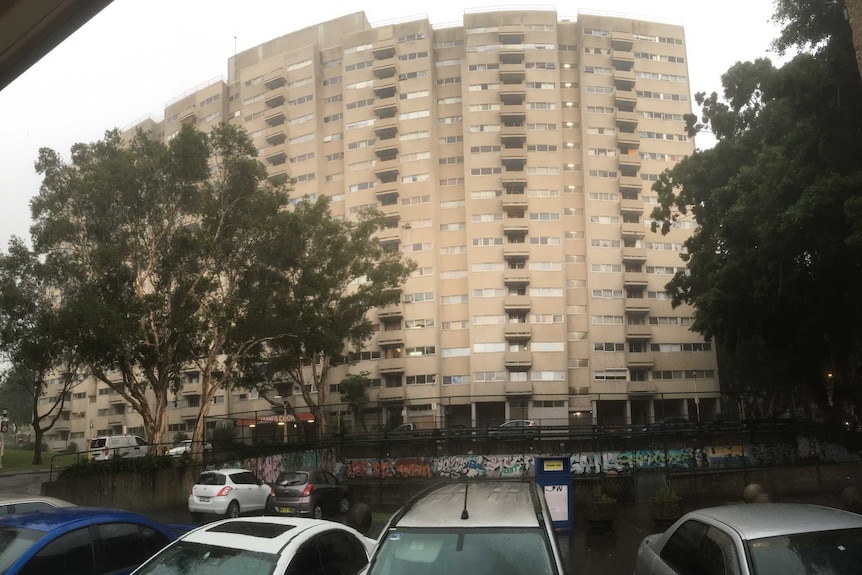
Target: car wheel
x,y
197,517
317,512
232,510
344,505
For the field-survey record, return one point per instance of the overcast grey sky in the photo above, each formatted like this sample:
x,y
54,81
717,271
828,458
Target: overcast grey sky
x,y
136,55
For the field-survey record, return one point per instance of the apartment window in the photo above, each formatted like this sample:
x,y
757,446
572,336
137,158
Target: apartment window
x,y
544,217
485,194
483,67
486,242
358,66
302,158
490,347
450,80
489,320
447,182
424,379
456,379
545,241
453,227
413,56
540,66
335,156
453,250
546,292
360,103
541,106
481,376
606,268
450,120
448,44
551,266
455,352
414,115
419,323
412,75
414,200
414,135
600,243
359,85
411,37
548,375
451,62
484,218
484,86
488,292
488,171
418,297
332,81
454,299
541,127
608,293
360,144
333,137
546,318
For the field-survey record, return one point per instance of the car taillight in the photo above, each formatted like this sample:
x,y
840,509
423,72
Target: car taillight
x,y
272,490
307,491
224,491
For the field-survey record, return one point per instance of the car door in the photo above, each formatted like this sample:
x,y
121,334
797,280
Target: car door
x,y
122,547
242,490
333,493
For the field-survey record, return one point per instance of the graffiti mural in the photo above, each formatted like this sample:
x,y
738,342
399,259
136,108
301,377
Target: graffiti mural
x,y
582,463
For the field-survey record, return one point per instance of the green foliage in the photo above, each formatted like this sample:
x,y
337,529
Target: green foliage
x,y
773,263
666,494
71,447
117,465
180,436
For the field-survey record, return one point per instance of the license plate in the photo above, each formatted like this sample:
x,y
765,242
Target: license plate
x,y
203,499
288,510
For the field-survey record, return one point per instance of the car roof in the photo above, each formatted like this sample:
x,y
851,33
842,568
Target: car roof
x,y
757,520
51,519
489,503
8,498
262,534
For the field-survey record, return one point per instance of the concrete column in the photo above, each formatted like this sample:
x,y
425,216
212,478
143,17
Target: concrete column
x,y
473,414
595,412
628,411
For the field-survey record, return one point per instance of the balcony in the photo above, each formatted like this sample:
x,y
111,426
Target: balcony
x,y
624,80
384,49
386,110
518,226
388,235
387,128
629,164
518,360
391,365
639,360
630,184
511,73
276,158
622,41
274,80
391,311
627,120
517,331
278,177
513,137
516,277
516,303
387,171
634,207
623,61
514,185
510,34
636,231
386,152
519,387
387,197
274,101
634,255
638,333
385,69
275,136
512,54
625,101
636,306
514,160
635,280
512,95
275,118
513,116
641,387
390,337
629,140
514,202
385,88
390,393
514,252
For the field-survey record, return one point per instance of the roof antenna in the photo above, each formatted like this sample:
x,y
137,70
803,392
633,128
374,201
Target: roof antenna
x,y
464,514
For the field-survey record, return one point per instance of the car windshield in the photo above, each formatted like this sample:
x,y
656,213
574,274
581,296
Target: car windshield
x,y
211,479
186,558
463,551
292,478
14,541
836,552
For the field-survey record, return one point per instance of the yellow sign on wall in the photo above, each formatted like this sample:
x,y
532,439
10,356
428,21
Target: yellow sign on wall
x,y
553,465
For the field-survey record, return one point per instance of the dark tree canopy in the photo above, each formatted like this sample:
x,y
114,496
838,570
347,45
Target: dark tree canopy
x,y
776,260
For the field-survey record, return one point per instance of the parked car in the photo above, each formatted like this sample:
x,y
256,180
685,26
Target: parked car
x,y
185,446
316,493
471,527
79,540
108,446
11,503
264,546
762,538
516,428
229,492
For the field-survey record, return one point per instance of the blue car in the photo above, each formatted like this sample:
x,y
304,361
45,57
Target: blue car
x,y
79,541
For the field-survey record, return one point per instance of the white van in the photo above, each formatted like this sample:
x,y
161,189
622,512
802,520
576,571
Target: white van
x,y
106,447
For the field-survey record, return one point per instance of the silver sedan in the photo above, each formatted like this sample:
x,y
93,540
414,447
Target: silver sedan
x,y
758,539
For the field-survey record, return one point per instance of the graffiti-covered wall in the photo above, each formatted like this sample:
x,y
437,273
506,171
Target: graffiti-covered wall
x,y
806,449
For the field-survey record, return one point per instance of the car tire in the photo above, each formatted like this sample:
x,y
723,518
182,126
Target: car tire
x,y
232,510
317,511
344,505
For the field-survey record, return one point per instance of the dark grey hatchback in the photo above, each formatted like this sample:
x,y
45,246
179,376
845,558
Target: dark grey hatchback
x,y
316,493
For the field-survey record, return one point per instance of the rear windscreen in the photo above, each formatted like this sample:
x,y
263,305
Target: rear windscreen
x,y
292,478
97,443
211,479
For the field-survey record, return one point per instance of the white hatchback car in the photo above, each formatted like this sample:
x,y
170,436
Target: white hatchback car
x,y
228,492
264,546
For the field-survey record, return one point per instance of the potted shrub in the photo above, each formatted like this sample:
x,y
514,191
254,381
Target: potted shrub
x,y
601,509
666,506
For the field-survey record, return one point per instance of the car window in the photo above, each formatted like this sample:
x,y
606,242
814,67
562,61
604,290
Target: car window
x,y
499,551
28,506
69,554
140,441
97,443
836,552
121,546
211,479
342,552
717,554
682,548
330,478
13,542
292,478
185,558
306,561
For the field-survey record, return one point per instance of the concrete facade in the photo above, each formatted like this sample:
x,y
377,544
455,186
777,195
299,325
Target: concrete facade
x,y
513,155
